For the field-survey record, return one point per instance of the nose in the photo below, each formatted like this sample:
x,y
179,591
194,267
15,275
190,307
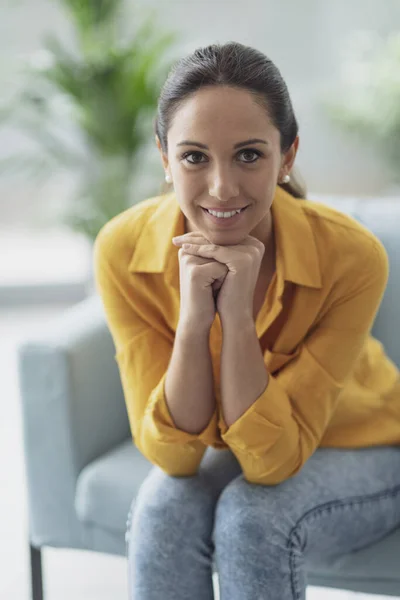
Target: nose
x,y
223,184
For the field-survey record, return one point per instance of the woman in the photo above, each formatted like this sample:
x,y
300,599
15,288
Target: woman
x,y
251,380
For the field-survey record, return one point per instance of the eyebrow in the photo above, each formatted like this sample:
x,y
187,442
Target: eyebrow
x,y
238,145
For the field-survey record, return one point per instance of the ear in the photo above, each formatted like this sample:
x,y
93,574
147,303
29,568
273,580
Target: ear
x,y
289,156
164,157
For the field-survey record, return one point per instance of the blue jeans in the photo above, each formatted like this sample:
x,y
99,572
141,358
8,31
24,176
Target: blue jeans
x,y
258,538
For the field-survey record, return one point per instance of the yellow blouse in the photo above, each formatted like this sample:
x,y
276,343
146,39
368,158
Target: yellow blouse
x,y
330,382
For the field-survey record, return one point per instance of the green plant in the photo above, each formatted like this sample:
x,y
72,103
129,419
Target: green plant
x,y
90,110
367,102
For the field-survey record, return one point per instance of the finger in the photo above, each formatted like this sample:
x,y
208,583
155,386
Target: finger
x,y
197,235
192,235
198,259
190,240
221,254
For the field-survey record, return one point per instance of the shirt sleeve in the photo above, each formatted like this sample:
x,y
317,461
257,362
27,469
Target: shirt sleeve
x,y
274,438
143,353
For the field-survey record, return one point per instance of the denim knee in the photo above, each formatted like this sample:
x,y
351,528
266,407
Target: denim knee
x,y
246,511
165,503
258,547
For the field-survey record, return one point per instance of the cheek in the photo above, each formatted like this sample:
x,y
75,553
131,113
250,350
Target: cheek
x,y
263,188
190,185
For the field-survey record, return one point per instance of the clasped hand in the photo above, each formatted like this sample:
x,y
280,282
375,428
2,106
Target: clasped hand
x,y
236,295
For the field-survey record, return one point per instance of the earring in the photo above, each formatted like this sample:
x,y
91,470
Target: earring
x,y
168,178
286,179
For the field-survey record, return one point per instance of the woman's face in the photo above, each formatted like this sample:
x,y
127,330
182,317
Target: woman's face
x,y
213,165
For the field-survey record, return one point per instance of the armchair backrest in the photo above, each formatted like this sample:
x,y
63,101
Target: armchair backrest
x,y
382,217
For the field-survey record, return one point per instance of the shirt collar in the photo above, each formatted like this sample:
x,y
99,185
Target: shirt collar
x,y
296,250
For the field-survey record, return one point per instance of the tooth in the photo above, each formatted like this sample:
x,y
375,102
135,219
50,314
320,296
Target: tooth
x,y
220,214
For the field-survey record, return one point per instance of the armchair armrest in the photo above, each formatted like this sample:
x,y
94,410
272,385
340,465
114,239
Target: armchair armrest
x,y
73,411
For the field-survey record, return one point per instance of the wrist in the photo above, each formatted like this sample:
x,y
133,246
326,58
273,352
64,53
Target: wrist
x,y
192,329
240,322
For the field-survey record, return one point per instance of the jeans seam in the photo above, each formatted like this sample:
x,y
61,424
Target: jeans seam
x,y
127,532
328,507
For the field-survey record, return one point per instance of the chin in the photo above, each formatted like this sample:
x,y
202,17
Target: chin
x,y
225,239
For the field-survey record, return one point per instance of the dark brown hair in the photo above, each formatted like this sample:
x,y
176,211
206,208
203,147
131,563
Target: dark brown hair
x,y
231,64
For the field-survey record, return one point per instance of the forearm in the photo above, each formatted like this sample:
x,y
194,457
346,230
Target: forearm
x,y
244,376
189,384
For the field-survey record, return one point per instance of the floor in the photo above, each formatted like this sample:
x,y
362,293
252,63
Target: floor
x,y
68,573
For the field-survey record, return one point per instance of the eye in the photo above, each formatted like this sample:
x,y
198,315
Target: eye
x,y
245,151
251,151
184,157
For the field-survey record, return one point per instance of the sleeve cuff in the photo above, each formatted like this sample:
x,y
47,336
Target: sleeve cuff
x,y
261,424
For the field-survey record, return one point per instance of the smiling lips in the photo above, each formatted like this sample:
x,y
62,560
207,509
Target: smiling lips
x,y
224,221
225,209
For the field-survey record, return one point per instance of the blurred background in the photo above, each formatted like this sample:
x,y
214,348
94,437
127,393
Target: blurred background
x,y
79,89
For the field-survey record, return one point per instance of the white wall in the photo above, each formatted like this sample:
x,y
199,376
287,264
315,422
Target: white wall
x,y
305,39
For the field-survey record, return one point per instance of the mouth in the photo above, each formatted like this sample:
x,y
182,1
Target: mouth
x,y
241,210
226,221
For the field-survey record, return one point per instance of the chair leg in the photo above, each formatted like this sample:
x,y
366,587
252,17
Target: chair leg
x,y
36,573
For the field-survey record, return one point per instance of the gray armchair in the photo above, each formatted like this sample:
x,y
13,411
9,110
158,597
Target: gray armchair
x,y
82,467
